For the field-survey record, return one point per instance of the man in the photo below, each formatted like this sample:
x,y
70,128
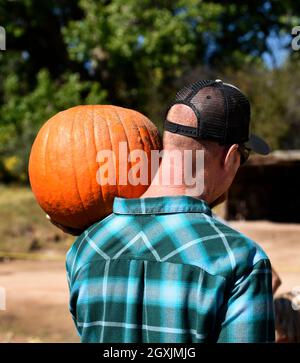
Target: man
x,y
161,268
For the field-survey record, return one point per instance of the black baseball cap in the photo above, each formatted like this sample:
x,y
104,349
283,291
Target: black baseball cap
x,y
223,115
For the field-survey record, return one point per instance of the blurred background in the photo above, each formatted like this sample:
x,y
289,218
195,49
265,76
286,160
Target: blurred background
x,y
136,54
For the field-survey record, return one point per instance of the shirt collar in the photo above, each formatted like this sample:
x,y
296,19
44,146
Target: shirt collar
x,y
161,205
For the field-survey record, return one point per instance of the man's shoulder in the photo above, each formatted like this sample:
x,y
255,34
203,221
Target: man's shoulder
x,y
238,239
84,247
244,253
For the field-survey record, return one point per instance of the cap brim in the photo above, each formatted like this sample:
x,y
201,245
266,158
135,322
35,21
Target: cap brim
x,y
258,145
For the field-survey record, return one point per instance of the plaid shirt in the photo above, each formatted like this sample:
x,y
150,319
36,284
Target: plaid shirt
x,y
165,270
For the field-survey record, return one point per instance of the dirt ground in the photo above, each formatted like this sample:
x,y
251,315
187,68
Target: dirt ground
x,y
37,293
36,303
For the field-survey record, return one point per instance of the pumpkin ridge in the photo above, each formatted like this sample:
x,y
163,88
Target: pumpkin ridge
x,y
95,153
90,182
74,171
58,170
95,140
144,145
115,113
112,148
128,139
51,129
150,134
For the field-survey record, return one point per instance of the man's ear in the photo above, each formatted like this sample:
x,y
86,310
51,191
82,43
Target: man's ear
x,y
233,158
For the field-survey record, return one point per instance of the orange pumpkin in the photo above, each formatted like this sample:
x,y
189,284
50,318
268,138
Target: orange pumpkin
x,y
63,163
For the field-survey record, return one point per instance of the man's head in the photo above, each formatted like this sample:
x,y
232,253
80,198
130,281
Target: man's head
x,y
220,162
214,117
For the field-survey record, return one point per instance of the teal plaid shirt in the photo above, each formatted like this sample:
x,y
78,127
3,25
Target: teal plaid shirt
x,y
165,270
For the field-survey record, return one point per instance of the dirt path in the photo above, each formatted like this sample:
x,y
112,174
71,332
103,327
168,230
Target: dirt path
x,y
36,303
37,293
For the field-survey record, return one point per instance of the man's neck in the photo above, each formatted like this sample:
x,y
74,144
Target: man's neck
x,y
157,189
160,187
164,190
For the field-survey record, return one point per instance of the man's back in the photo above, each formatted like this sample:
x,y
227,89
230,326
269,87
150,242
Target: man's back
x,y
164,270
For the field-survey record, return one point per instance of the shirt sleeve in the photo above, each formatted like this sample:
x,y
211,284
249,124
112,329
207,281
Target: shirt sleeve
x,y
249,312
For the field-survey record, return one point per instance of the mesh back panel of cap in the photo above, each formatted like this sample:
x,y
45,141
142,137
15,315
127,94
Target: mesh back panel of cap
x,y
238,113
188,91
210,104
223,112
